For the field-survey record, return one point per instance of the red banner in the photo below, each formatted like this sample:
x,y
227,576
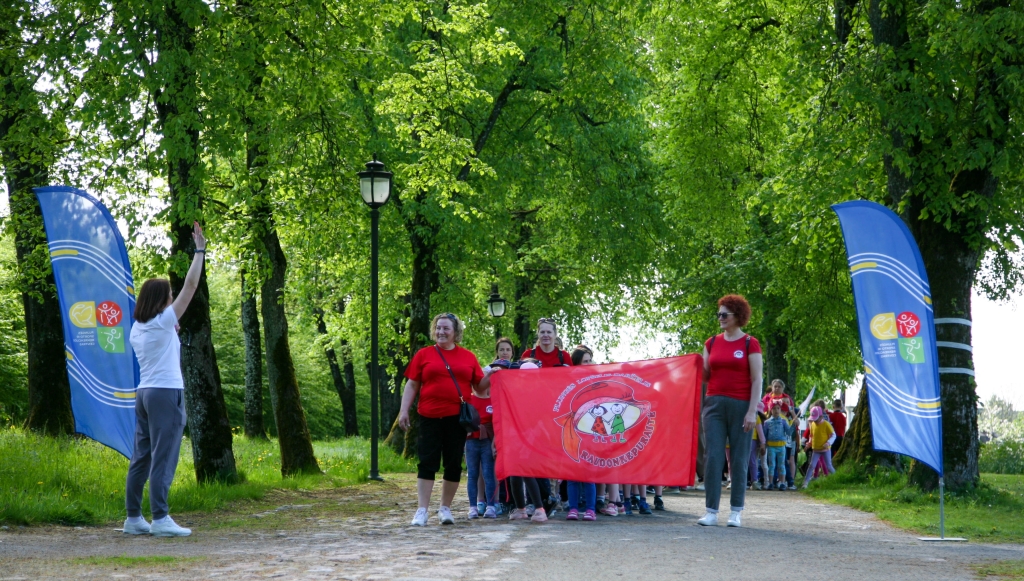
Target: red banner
x,y
628,423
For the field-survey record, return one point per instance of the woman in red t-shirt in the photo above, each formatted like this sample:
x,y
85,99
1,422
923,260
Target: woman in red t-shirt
x,y
546,351
732,368
441,437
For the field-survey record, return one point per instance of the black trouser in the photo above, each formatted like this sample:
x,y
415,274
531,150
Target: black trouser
x,y
516,483
836,444
440,440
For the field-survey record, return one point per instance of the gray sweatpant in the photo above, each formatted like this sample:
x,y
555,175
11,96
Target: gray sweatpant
x,y
159,424
722,419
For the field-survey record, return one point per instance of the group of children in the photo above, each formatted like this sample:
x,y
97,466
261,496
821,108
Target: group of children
x,y
777,437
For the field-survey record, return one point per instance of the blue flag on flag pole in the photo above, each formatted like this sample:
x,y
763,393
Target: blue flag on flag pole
x,y
97,302
897,331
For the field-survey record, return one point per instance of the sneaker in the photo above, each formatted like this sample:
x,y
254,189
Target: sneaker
x,y
420,520
573,514
644,508
139,527
700,486
610,510
166,527
709,519
529,510
729,486
792,487
517,514
757,486
539,515
473,513
650,490
734,518
489,512
481,507
600,505
659,504
589,515
635,501
444,514
627,508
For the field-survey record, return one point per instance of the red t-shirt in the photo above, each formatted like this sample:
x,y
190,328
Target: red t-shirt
x,y
483,407
785,402
438,396
730,366
548,359
838,420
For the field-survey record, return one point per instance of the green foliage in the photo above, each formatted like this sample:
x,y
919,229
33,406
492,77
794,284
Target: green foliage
x,y
986,513
1002,457
13,356
76,481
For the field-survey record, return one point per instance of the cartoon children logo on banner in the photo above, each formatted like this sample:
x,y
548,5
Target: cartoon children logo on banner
x,y
606,425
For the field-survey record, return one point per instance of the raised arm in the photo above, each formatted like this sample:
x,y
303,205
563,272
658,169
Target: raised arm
x,y
188,290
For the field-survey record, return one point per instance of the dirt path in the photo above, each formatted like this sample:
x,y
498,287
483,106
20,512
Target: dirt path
x,y
363,533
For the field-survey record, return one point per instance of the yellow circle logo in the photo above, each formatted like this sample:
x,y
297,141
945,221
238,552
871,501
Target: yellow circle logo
x,y
83,314
883,326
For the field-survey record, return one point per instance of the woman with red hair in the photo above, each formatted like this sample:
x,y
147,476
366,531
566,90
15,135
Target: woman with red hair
x,y
732,368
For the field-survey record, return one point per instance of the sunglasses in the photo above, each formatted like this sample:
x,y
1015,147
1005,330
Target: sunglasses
x,y
451,317
724,315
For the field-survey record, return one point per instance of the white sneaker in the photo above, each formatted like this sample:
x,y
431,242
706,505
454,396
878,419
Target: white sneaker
x,y
699,486
734,518
729,486
792,487
166,527
420,520
489,512
709,519
141,527
473,513
444,514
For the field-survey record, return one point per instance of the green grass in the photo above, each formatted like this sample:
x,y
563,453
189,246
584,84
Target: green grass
x,y
126,561
1001,570
75,481
990,513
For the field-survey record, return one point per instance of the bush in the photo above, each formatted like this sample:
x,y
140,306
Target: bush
x,y
1002,457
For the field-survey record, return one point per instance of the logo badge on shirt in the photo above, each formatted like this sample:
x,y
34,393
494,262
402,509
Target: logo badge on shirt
x,y
738,354
490,409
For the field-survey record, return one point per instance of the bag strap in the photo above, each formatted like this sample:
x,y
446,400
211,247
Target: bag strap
x,y
533,353
450,372
561,359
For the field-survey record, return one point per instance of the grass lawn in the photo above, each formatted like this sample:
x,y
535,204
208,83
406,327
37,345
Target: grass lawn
x,y
991,513
1002,570
76,481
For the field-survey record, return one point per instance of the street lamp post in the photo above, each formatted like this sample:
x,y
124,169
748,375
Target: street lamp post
x,y
496,307
375,188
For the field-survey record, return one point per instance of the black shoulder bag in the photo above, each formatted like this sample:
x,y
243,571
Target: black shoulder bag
x,y
469,418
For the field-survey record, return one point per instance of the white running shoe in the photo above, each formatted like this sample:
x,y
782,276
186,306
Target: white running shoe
x,y
489,512
140,527
420,520
734,518
709,519
166,527
473,513
444,514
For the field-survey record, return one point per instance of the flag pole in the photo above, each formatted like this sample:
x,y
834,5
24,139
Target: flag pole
x,y
942,519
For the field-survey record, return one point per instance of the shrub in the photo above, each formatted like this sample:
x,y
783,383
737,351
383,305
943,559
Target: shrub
x,y
1002,457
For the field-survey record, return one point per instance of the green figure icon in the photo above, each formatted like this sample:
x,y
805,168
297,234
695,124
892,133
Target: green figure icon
x,y
618,425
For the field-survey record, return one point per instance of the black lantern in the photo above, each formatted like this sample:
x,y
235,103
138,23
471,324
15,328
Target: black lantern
x,y
495,304
375,184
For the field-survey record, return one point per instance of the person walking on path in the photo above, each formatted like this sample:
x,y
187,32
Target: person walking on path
x,y
732,368
775,430
160,397
837,417
443,375
819,444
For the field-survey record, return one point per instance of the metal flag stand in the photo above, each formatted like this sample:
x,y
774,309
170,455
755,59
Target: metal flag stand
x,y
942,520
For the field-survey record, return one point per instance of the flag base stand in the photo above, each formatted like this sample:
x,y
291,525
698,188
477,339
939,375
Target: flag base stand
x,y
942,538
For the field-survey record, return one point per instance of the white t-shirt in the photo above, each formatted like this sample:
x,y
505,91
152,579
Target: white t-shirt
x,y
158,350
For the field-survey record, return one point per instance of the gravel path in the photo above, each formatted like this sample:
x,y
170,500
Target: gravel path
x,y
783,535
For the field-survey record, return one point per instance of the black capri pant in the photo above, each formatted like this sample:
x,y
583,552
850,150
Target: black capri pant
x,y
441,440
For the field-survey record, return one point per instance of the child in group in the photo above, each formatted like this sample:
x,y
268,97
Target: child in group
x,y
480,458
756,448
775,430
819,444
792,445
589,498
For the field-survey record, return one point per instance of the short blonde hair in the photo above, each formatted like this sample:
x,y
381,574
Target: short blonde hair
x,y
460,327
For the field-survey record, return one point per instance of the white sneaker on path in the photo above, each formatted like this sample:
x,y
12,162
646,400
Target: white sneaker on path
x,y
734,519
444,514
420,520
140,527
166,527
709,519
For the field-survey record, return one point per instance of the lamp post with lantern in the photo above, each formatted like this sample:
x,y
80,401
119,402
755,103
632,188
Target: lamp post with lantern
x,y
375,188
496,307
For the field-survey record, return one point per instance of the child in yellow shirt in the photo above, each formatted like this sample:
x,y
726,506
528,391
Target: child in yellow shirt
x,y
819,444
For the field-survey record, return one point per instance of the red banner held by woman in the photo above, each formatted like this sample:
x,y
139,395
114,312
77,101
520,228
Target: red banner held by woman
x,y
632,422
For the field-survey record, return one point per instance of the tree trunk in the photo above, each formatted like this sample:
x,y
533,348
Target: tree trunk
x,y
292,431
345,384
27,149
775,364
180,123
254,427
858,445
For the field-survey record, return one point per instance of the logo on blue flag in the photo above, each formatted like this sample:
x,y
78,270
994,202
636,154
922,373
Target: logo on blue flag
x,y
97,299
897,331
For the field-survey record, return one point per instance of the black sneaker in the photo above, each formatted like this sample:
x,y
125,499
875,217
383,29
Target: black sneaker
x,y
650,490
644,509
635,501
659,504
599,506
